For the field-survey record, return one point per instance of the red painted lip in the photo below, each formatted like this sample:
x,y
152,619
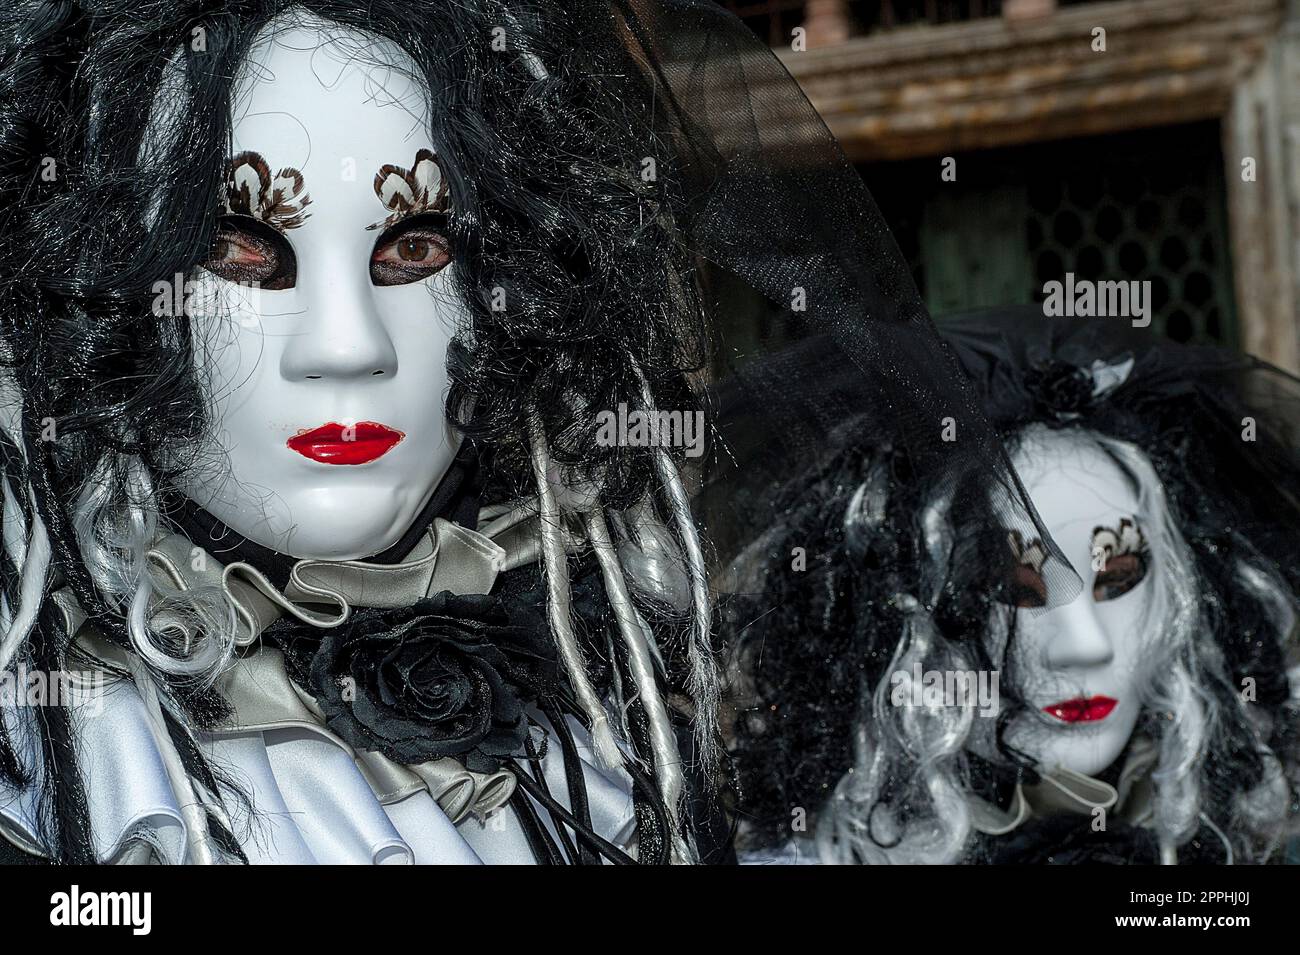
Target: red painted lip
x,y
1081,710
334,443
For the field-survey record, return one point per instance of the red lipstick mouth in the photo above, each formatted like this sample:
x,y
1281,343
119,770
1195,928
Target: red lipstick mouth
x,y
1082,710
335,443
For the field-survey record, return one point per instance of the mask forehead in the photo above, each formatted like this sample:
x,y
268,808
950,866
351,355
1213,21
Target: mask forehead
x,y
1076,488
334,106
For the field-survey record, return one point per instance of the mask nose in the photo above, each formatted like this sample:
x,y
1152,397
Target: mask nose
x,y
1078,638
342,336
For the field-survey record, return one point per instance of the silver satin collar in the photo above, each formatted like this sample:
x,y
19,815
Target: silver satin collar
x,y
1064,790
447,557
322,594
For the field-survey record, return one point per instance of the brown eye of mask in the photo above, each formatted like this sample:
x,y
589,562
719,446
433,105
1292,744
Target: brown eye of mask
x,y
1127,558
1026,587
252,253
1120,575
411,250
1022,583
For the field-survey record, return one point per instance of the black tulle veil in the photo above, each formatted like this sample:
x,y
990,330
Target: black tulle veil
x,y
814,314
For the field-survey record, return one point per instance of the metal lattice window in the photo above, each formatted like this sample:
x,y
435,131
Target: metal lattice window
x,y
1131,219
1148,205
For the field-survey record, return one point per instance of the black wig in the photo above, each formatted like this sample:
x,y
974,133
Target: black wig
x,y
895,574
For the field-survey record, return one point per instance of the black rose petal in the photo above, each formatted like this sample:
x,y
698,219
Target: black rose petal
x,y
449,676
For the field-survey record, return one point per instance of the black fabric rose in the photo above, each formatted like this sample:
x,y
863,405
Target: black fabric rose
x,y
448,676
1059,389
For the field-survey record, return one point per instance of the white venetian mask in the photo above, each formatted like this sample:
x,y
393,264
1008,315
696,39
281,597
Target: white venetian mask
x,y
325,313
1081,667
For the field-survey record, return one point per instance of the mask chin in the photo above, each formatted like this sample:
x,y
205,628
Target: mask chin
x,y
456,499
341,526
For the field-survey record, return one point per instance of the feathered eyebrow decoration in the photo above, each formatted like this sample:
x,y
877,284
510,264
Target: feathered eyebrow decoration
x,y
251,190
1111,542
423,188
1033,555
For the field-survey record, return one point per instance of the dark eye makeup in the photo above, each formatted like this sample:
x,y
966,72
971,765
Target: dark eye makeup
x,y
1026,587
411,250
1127,559
250,252
1023,584
1120,575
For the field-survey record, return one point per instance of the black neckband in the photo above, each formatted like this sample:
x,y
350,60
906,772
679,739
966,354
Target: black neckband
x,y
456,499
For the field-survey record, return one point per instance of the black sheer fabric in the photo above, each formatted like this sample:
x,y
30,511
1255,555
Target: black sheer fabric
x,y
797,261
